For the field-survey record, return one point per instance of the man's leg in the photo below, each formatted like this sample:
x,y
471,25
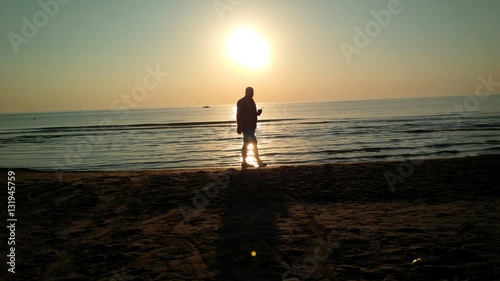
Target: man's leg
x,y
256,154
244,150
249,138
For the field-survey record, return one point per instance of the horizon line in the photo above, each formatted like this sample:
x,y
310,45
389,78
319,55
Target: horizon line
x,y
221,105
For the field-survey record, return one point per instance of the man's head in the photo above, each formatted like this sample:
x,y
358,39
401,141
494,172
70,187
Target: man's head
x,y
249,92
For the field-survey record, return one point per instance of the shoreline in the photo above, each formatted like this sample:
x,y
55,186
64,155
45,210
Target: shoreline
x,y
238,167
328,221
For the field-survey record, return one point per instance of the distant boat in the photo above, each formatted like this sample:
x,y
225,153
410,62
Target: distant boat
x,y
206,106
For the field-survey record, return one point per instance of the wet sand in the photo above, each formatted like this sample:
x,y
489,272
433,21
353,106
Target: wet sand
x,y
314,222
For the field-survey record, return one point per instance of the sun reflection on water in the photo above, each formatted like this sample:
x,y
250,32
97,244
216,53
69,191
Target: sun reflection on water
x,y
234,110
250,157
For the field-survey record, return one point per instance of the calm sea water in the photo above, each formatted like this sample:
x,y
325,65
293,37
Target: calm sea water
x,y
287,133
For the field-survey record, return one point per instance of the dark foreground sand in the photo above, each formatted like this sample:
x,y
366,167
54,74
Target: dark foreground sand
x,y
324,222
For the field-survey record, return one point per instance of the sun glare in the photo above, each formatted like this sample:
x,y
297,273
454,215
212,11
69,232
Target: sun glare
x,y
247,48
250,157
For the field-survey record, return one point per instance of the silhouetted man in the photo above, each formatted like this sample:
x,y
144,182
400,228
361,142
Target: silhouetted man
x,y
246,118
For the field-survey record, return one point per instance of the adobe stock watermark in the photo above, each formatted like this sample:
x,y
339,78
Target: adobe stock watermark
x,y
139,93
363,38
222,7
461,110
31,27
77,152
203,195
311,263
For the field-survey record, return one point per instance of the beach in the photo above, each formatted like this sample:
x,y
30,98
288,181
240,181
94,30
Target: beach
x,y
433,219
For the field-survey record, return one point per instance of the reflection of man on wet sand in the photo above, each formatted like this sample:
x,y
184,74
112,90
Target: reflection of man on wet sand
x,y
246,118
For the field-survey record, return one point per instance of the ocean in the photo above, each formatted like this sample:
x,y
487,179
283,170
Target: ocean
x,y
288,133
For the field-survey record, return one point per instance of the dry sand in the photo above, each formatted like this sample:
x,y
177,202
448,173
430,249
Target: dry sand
x,y
318,222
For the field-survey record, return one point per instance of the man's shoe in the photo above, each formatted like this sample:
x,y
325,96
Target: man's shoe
x,y
246,165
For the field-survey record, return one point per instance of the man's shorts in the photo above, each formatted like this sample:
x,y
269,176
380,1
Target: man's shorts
x,y
249,135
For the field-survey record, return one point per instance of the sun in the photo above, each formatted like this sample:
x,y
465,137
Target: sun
x,y
247,48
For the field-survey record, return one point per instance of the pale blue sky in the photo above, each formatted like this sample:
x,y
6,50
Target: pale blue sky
x,y
91,54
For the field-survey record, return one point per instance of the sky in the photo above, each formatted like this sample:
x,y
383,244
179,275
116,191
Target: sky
x,y
62,55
